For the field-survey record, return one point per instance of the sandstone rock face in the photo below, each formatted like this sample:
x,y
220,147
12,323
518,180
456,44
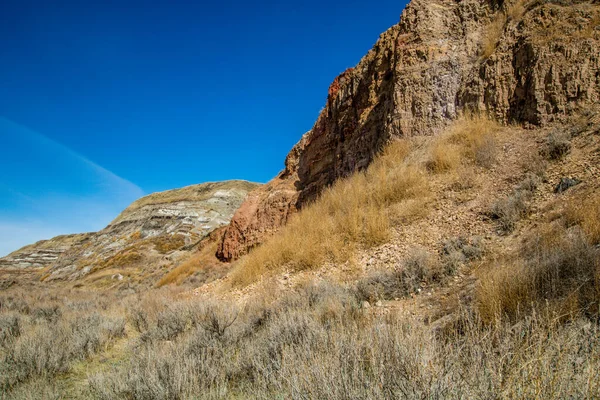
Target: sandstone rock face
x,y
156,224
420,75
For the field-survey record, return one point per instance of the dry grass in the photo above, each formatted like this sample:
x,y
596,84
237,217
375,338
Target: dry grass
x,y
514,12
492,35
558,267
317,342
357,211
43,335
585,212
471,139
167,243
203,261
124,258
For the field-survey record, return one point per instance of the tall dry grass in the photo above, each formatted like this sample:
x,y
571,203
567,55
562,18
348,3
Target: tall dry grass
x,y
471,139
513,12
557,267
355,212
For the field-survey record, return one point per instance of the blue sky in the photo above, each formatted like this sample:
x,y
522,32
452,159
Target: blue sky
x,y
102,102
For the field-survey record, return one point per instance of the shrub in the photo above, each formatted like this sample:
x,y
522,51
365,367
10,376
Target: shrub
x,y
10,328
556,265
298,352
457,251
557,145
417,269
509,210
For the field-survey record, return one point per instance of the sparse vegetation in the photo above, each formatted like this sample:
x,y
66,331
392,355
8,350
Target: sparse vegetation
x,y
203,263
492,36
167,243
415,272
514,11
354,212
558,267
557,145
317,342
509,210
44,341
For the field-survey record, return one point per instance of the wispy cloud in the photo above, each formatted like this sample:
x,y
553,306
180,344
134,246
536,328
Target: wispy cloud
x,y
48,189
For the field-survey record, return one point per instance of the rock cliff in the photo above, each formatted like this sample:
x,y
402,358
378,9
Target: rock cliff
x,y
526,62
146,232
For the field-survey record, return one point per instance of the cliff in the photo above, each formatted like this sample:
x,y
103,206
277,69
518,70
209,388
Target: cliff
x,y
527,63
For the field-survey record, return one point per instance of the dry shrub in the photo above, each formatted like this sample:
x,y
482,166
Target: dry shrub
x,y
512,208
557,145
416,271
458,251
357,211
556,267
41,342
10,328
315,342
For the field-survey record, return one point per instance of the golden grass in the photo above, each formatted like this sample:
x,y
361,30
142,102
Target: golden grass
x,y
470,139
586,213
557,269
354,212
360,211
205,258
516,10
124,258
167,243
492,36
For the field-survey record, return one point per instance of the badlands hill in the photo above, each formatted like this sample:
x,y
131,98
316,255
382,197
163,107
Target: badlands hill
x,y
435,235
146,239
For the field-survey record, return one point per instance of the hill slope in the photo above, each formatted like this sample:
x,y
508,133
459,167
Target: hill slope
x,y
140,240
525,62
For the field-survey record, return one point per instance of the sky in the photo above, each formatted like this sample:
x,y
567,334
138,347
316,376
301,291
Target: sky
x,y
102,102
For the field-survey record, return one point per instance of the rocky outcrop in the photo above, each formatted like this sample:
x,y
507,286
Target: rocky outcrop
x,y
146,232
522,62
42,253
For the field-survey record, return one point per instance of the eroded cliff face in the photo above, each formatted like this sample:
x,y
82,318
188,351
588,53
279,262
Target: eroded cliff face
x,y
530,62
145,234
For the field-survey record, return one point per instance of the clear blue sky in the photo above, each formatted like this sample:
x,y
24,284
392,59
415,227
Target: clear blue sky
x,y
102,102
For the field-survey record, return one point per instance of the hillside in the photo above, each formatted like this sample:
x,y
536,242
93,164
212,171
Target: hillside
x,y
144,242
435,235
518,62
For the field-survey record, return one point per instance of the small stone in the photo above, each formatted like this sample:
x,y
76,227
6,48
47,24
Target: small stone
x,y
565,184
379,304
366,304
